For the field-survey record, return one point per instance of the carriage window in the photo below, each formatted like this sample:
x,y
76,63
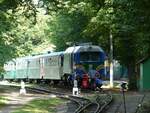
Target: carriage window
x,y
89,56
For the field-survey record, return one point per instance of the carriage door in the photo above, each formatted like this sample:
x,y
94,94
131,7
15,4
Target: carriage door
x,y
42,73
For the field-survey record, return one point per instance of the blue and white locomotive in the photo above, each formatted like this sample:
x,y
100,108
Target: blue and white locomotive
x,y
57,65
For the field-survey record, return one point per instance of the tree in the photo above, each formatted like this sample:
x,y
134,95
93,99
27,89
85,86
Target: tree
x,y
78,21
22,28
128,21
67,25
122,18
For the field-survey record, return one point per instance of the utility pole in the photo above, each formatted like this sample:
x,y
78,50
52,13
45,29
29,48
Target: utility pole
x,y
123,88
111,60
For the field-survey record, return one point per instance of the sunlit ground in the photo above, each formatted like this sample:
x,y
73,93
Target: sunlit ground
x,y
40,106
116,84
3,101
5,82
10,99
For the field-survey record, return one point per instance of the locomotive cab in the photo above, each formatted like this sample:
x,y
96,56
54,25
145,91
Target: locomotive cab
x,y
84,56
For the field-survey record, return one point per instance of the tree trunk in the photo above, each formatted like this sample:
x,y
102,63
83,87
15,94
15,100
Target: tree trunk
x,y
132,76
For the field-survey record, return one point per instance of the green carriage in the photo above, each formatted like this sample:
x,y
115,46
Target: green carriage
x,y
10,70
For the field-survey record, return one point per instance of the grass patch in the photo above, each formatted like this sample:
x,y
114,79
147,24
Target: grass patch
x,y
40,106
3,101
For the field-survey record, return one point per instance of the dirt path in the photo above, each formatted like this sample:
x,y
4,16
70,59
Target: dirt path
x,y
16,100
132,101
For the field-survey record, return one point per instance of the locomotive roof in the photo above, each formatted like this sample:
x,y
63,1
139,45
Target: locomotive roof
x,y
75,49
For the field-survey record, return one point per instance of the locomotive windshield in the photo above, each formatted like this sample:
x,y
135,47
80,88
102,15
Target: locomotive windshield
x,y
89,56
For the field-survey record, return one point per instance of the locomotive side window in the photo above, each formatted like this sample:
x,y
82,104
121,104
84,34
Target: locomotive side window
x,y
89,56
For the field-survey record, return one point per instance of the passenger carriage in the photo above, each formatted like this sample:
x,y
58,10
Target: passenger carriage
x,y
57,65
21,68
10,70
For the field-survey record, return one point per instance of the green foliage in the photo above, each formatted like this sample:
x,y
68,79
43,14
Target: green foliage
x,y
24,26
6,41
67,25
22,29
126,20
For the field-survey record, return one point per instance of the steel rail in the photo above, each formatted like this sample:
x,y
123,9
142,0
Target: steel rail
x,y
103,102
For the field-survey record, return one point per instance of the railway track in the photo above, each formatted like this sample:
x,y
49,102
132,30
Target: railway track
x,y
103,102
99,105
96,106
83,105
80,104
